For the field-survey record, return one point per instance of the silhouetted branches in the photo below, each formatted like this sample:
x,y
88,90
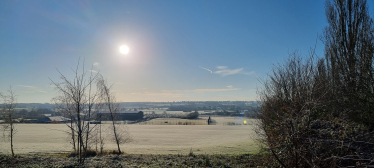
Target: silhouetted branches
x,y
78,101
120,133
9,103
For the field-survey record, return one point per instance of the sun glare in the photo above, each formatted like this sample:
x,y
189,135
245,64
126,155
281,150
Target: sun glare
x,y
124,49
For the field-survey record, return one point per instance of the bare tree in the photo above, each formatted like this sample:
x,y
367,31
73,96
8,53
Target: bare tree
x,y
109,100
99,138
308,105
122,134
9,103
64,105
78,101
298,121
349,51
290,100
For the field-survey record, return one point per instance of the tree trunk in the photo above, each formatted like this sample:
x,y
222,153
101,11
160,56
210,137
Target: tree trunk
x,y
115,133
73,134
11,137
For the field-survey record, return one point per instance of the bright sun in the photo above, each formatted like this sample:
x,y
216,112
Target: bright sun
x,y
124,49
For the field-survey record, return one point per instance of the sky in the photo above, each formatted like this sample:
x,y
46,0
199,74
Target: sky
x,y
186,50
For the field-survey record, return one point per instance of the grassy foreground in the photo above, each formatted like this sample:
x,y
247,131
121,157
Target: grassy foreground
x,y
133,160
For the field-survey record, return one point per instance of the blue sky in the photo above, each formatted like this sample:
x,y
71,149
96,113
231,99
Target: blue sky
x,y
186,50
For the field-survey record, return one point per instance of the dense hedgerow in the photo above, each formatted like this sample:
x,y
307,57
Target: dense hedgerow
x,y
317,112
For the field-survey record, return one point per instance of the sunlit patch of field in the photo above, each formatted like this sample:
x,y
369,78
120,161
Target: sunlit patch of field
x,y
230,120
219,120
174,121
147,139
170,112
163,111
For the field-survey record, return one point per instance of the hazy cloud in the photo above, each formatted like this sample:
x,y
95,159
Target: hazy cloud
x,y
24,91
221,67
224,71
169,94
206,69
230,86
93,71
215,90
96,63
27,86
204,90
53,86
178,93
32,89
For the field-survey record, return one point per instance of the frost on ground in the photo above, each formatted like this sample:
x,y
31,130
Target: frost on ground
x,y
134,160
147,139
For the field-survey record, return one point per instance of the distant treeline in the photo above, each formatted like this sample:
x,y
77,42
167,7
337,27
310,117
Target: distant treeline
x,y
222,108
144,105
33,114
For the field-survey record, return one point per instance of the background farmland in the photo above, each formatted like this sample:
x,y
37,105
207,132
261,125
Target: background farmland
x,y
146,139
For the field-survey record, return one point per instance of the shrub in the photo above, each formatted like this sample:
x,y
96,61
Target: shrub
x,y
193,115
299,123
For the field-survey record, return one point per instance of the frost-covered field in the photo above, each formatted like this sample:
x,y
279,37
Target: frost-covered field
x,y
200,121
147,139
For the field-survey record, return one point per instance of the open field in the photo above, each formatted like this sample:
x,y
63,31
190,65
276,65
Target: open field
x,y
163,111
147,139
173,121
174,112
201,121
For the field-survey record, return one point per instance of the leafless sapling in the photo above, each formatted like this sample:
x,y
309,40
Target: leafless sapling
x,y
8,113
113,107
78,101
